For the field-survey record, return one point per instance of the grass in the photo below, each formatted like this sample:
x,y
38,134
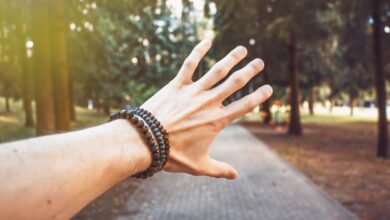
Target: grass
x,y
12,124
318,118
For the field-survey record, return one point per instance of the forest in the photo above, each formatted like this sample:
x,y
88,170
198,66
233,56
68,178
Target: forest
x,y
55,55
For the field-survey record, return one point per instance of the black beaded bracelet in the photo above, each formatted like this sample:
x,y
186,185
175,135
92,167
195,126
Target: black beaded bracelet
x,y
153,133
158,130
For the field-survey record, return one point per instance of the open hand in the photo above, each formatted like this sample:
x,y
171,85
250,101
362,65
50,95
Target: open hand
x,y
193,113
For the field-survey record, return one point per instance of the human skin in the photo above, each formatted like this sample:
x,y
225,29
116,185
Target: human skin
x,y
53,177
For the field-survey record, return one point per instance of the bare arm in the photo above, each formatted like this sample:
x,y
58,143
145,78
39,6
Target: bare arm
x,y
55,176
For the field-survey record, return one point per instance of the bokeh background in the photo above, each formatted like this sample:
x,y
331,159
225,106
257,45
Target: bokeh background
x,y
67,64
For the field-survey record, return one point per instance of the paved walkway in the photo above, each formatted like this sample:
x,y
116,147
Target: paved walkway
x,y
267,188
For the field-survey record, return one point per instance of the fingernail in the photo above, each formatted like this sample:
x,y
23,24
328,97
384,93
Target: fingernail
x,y
206,42
241,49
267,90
259,62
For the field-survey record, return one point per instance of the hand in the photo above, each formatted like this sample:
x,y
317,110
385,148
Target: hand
x,y
193,113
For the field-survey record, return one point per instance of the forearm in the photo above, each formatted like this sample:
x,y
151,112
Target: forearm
x,y
55,176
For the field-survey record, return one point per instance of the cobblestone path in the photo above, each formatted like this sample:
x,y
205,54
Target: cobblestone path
x,y
267,188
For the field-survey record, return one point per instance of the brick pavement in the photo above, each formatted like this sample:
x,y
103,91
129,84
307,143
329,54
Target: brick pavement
x,y
267,188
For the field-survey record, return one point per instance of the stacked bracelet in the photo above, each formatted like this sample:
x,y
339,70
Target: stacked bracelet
x,y
154,134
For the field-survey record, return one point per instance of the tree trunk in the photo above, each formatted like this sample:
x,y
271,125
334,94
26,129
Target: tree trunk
x,y
59,65
331,104
22,21
351,104
27,91
380,86
266,106
72,105
311,101
295,121
7,105
106,107
42,68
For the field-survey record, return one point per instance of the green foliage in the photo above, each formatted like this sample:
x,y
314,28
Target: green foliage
x,y
142,43
140,92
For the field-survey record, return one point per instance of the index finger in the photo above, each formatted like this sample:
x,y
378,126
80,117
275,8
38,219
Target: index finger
x,y
191,62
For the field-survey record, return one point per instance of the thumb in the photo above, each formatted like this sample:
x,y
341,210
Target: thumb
x,y
215,168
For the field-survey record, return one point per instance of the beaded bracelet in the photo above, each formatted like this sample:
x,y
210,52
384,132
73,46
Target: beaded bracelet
x,y
153,133
158,130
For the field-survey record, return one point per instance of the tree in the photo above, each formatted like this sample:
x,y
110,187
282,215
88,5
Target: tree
x,y
22,26
299,28
380,86
42,68
9,62
59,65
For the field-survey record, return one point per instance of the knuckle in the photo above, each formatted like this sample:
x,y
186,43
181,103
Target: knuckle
x,y
189,63
249,105
220,71
239,81
224,122
216,125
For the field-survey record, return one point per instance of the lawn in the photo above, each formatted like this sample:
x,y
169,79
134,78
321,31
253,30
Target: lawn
x,y
11,124
338,154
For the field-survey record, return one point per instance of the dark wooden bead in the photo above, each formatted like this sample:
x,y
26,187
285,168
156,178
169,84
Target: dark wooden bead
x,y
130,113
140,123
154,147
164,131
145,129
122,113
113,115
148,135
134,119
156,156
151,141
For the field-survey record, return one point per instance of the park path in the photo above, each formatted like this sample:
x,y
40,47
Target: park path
x,y
267,188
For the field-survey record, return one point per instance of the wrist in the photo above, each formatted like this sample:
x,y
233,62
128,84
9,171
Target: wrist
x,y
133,155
